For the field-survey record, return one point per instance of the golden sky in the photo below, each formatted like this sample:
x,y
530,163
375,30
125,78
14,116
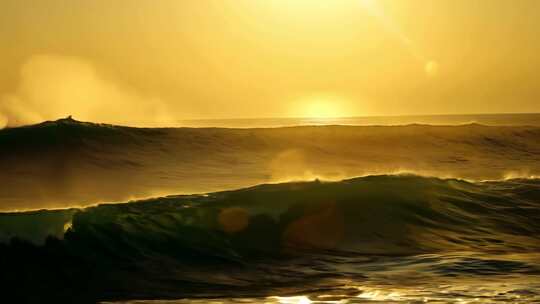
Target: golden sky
x,y
147,61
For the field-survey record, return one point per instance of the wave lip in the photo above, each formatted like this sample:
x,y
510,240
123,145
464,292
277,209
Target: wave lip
x,y
385,214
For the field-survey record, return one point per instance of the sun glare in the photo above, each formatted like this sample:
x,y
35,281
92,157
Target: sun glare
x,y
323,108
367,3
292,300
432,68
313,6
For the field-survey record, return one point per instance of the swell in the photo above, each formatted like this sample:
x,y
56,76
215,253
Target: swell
x,y
56,164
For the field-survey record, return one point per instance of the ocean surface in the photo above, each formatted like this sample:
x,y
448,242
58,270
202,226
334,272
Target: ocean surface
x,y
298,215
67,163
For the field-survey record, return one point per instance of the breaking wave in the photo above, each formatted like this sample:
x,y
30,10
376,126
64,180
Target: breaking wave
x,y
161,242
398,214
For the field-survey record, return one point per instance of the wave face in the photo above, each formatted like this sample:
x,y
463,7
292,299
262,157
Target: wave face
x,y
279,238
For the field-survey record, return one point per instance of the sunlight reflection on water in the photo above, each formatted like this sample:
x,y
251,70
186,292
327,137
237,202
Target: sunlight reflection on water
x,y
503,291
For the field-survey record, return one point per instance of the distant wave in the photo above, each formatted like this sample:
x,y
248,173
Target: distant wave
x,y
70,163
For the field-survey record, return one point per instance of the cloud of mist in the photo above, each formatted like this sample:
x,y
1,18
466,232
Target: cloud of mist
x,y
3,121
293,165
53,87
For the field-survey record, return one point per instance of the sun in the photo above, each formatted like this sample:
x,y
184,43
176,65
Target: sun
x,y
322,107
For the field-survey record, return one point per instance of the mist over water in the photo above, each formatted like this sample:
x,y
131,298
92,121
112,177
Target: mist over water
x,y
51,86
227,151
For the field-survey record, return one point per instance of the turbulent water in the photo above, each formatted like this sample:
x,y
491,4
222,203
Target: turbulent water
x,y
400,238
363,233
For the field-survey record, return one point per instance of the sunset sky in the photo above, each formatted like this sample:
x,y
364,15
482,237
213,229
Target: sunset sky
x,y
139,62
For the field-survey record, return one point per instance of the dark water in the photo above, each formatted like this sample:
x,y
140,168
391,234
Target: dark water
x,y
385,239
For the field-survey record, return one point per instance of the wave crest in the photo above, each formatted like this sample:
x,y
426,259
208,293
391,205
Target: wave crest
x,y
387,214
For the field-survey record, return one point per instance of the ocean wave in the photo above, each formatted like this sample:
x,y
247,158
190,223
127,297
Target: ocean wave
x,y
69,163
387,214
293,235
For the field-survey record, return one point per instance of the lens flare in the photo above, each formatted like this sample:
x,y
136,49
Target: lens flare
x,y
372,6
432,68
233,220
